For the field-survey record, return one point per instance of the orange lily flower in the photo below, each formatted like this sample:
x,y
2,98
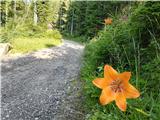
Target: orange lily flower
x,y
115,86
108,21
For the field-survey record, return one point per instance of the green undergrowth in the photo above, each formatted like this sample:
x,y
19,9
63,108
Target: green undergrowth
x,y
127,45
27,37
28,44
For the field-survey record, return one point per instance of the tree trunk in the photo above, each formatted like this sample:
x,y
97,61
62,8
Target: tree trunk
x,y
72,23
6,13
14,10
35,13
60,17
1,13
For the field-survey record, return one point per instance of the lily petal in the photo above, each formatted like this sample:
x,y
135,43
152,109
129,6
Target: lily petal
x,y
121,101
100,83
107,96
110,73
125,76
131,92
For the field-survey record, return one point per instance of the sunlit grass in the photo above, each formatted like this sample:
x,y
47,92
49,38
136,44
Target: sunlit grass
x,y
26,44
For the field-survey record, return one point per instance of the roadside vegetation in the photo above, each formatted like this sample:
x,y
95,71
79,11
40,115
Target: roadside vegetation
x,y
25,44
130,44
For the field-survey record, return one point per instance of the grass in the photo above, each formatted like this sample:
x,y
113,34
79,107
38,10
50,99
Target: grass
x,y
124,47
146,107
28,44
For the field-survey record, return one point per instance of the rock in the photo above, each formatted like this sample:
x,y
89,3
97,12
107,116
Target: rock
x,y
4,48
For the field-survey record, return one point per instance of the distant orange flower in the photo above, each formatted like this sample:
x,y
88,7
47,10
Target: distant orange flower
x,y
115,86
108,21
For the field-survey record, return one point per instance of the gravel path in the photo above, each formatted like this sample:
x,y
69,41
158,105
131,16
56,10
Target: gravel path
x,y
43,85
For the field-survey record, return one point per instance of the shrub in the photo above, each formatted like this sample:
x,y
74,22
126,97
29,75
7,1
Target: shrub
x,y
53,34
132,45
